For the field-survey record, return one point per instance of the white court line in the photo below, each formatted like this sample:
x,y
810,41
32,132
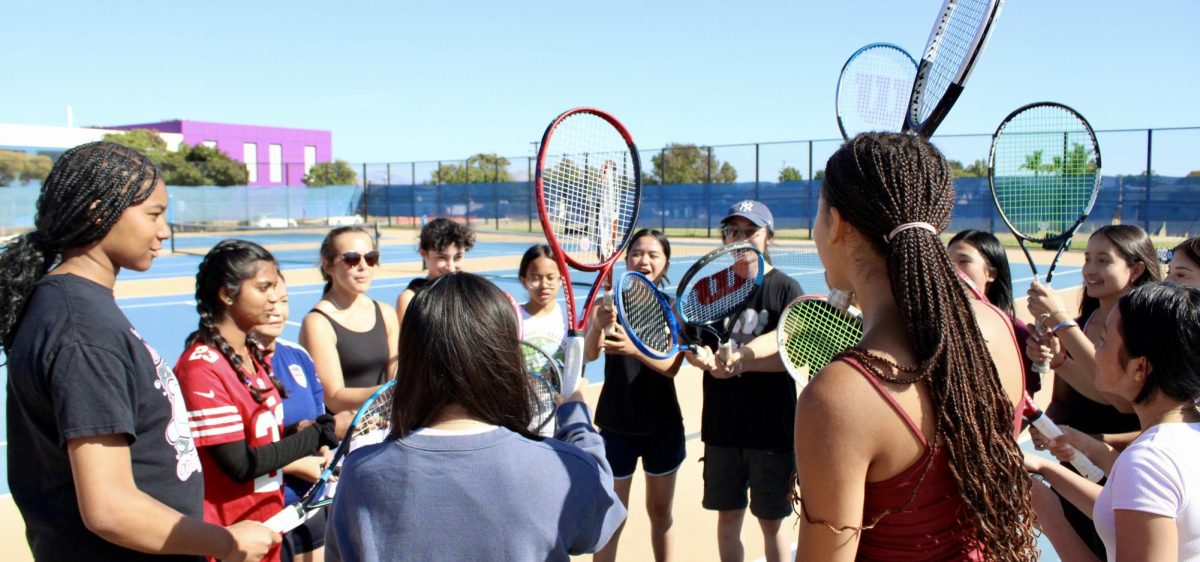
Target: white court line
x,y
1039,278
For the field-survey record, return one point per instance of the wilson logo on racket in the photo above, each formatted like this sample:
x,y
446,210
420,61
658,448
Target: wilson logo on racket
x,y
720,285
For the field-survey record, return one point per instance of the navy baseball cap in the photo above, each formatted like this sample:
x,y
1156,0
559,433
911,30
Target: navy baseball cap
x,y
753,211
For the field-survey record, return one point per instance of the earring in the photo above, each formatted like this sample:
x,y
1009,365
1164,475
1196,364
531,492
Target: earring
x,y
228,302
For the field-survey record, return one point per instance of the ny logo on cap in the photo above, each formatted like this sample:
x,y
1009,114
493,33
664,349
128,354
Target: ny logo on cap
x,y
746,206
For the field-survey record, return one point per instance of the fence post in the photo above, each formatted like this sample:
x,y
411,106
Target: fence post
x,y
756,172
366,194
707,192
529,176
662,193
496,192
1149,178
437,190
387,193
808,192
413,191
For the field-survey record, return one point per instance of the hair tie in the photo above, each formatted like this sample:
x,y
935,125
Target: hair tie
x,y
922,225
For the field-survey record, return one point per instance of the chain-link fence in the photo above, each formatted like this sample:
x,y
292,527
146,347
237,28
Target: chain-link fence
x,y
1150,180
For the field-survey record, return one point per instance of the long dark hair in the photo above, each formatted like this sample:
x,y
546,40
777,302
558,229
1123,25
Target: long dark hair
x,y
879,181
662,241
226,266
459,345
329,253
1135,247
1161,322
88,189
999,291
534,252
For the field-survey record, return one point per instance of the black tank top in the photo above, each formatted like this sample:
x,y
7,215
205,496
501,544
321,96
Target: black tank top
x,y
362,355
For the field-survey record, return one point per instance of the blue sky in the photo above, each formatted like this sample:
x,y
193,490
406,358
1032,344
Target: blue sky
x,y
400,81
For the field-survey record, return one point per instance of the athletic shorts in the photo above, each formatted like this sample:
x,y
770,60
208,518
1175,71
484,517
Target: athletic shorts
x,y
305,538
662,452
767,473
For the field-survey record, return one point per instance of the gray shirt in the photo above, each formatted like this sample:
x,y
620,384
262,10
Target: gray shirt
x,y
486,496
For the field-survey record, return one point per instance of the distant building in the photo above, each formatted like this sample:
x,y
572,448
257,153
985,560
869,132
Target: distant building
x,y
273,155
53,141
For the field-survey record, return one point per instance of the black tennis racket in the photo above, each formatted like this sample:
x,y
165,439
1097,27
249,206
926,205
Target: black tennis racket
x,y
873,89
545,381
959,35
588,186
813,329
716,289
370,425
1044,174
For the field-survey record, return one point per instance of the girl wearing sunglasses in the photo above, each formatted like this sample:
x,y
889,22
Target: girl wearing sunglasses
x,y
352,339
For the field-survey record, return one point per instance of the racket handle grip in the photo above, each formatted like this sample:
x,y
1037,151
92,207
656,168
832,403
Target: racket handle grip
x,y
290,518
1084,465
1041,368
572,364
726,351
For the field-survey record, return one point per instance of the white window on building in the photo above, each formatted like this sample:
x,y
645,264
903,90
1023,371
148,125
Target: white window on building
x,y
210,143
275,161
310,158
250,158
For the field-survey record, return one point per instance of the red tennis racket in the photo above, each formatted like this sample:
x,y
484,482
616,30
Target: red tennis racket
x,y
589,185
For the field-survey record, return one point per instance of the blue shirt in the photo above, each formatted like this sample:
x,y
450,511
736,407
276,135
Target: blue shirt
x,y
305,400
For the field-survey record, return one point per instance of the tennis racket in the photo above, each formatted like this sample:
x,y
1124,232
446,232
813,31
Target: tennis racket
x,y
370,425
1035,417
959,35
645,313
814,329
520,317
545,381
588,187
716,289
873,89
1044,174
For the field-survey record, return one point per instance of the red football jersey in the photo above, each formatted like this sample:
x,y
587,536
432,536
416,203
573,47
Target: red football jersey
x,y
222,410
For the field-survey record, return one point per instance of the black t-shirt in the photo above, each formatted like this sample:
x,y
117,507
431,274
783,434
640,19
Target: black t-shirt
x,y
79,369
756,410
417,285
638,406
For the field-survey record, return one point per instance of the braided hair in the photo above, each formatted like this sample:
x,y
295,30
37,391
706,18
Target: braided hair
x,y
879,181
87,191
226,266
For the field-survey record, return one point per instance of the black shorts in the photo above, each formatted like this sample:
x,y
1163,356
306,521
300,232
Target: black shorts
x,y
662,452
767,473
305,538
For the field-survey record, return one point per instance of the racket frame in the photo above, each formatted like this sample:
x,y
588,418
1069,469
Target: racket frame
x,y
837,105
555,382
1035,417
719,327
1062,240
669,312
573,343
933,46
293,515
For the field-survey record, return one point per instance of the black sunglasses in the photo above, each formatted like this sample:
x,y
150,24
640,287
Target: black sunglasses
x,y
353,258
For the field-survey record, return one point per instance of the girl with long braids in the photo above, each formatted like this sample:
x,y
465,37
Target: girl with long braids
x,y
101,458
905,445
234,403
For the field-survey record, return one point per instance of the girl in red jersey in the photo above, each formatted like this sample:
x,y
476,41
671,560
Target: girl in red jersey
x,y
234,405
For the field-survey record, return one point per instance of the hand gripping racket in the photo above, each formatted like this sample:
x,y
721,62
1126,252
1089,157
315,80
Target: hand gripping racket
x,y
545,382
1044,174
814,329
716,289
873,89
959,35
588,187
1047,427
370,425
645,313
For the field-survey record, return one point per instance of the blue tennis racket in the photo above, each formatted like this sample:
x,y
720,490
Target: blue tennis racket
x,y
645,313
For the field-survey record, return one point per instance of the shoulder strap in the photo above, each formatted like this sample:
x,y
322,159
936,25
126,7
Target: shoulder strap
x,y
912,426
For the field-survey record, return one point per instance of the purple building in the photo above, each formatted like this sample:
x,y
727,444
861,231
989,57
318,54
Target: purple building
x,y
273,155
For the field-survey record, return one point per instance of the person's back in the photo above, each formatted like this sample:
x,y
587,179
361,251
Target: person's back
x,y
406,505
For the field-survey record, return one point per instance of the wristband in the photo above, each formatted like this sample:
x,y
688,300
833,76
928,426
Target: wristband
x,y
325,426
1068,323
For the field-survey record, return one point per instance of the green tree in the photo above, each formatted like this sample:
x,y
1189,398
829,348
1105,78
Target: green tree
x,y
1075,162
1034,163
337,172
789,173
819,175
147,141
688,163
189,165
480,168
1194,174
217,168
19,167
